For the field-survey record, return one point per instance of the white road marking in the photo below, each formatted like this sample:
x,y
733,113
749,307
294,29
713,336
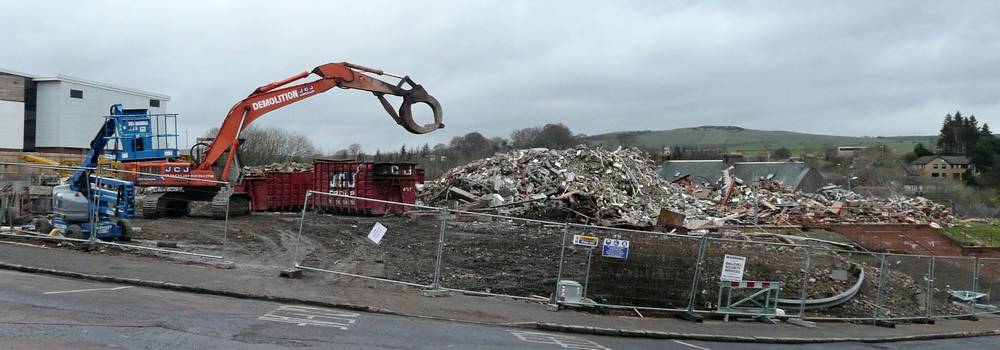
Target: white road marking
x,y
565,341
691,345
86,290
314,316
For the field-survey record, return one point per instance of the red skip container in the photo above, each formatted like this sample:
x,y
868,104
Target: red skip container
x,y
285,191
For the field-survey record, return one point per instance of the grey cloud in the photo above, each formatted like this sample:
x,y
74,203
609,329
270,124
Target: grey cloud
x,y
851,68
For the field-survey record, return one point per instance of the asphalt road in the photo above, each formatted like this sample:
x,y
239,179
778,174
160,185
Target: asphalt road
x,y
45,312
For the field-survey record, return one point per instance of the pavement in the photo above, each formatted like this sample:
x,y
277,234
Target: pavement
x,y
254,284
48,312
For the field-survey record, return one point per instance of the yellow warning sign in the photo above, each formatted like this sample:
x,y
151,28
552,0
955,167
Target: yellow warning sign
x,y
586,241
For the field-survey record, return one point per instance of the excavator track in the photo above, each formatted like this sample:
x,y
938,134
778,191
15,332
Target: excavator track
x,y
165,204
150,205
236,203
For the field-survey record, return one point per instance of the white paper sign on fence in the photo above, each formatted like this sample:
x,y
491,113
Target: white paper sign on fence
x,y
732,268
378,231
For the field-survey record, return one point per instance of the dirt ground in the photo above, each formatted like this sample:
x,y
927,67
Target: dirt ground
x,y
515,258
504,258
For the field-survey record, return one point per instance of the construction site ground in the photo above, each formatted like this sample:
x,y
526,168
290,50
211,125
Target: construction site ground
x,y
521,259
479,256
331,290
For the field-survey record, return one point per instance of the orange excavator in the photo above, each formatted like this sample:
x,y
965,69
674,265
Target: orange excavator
x,y
205,177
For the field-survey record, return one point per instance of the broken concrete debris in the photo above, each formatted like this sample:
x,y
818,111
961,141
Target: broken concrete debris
x,y
611,187
621,188
768,202
289,167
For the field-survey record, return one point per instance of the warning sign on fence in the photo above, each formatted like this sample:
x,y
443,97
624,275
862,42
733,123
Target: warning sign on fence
x,y
586,241
732,268
615,248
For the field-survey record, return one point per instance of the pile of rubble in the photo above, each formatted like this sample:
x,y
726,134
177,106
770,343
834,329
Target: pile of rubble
x,y
594,185
767,202
290,167
622,188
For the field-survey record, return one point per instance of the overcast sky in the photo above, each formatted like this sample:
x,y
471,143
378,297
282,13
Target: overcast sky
x,y
845,68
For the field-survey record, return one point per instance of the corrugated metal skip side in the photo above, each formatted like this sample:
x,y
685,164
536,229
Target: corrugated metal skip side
x,y
277,191
347,178
385,181
285,191
396,182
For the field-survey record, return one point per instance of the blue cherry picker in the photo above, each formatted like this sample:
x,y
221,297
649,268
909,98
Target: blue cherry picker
x,y
101,205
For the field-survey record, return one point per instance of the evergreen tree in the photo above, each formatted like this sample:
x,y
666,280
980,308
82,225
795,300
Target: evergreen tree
x,y
781,154
945,139
959,135
956,133
970,135
986,160
920,150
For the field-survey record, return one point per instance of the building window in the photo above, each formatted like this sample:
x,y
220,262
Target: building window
x,y
934,174
76,93
154,103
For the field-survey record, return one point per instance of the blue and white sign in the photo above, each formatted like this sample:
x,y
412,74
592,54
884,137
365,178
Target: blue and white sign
x,y
615,248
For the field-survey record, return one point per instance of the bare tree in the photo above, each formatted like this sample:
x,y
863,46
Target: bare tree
x,y
525,138
555,136
265,145
354,150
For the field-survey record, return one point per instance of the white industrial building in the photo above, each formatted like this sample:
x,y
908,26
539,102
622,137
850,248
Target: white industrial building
x,y
61,114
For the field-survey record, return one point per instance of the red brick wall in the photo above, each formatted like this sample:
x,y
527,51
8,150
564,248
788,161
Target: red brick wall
x,y
926,240
903,238
982,252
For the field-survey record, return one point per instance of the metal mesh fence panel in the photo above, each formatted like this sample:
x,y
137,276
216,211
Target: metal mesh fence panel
x,y
843,284
764,262
25,190
989,284
657,271
578,260
952,277
388,241
905,291
180,234
497,255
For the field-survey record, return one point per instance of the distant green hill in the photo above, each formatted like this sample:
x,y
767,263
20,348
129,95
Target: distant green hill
x,y
752,141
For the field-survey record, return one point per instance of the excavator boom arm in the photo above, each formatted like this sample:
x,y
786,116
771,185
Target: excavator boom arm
x,y
344,75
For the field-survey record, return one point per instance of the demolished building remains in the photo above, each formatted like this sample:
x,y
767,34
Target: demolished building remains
x,y
622,188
